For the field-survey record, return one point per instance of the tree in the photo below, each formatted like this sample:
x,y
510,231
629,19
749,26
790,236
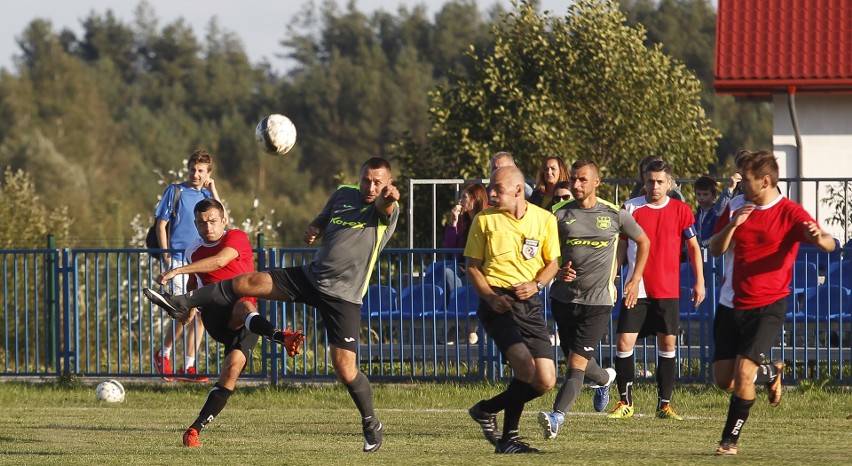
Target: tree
x,y
581,86
28,218
686,30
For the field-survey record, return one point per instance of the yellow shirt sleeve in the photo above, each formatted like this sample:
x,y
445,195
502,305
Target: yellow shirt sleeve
x,y
475,246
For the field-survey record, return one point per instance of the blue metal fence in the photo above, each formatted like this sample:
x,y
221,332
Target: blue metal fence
x,y
82,312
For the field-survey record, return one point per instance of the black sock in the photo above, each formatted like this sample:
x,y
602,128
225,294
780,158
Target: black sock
x,y
258,325
219,293
737,416
624,369
494,405
216,401
766,373
666,368
362,395
569,391
517,394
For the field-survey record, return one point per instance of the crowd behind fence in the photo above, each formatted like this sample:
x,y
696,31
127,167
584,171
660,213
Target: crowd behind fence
x,y
81,312
440,193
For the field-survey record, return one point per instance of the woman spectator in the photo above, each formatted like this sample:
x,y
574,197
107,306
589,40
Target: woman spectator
x,y
472,200
562,192
552,171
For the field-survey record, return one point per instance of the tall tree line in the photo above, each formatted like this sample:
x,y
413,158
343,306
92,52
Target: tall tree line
x,y
100,119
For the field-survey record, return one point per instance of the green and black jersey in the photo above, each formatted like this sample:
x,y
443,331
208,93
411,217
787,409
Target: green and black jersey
x,y
589,239
354,234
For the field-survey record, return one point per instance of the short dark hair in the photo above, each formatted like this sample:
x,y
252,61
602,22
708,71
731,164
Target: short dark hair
x,y
643,164
374,163
584,162
200,156
208,204
705,183
761,163
657,166
563,185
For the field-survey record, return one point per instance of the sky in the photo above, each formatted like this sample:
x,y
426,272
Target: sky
x,y
257,22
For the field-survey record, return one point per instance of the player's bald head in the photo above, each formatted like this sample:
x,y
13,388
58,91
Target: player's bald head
x,y
509,175
507,188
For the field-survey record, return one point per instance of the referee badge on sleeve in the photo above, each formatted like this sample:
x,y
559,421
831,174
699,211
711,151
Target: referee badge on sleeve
x,y
530,248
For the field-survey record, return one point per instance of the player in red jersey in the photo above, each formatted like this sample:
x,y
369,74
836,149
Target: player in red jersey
x,y
220,255
667,222
764,233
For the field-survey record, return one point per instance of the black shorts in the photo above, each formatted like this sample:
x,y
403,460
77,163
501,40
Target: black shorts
x,y
749,333
524,323
581,327
651,316
342,319
216,320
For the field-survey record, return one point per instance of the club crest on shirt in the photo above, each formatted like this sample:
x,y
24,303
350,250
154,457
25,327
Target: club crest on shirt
x,y
530,248
604,222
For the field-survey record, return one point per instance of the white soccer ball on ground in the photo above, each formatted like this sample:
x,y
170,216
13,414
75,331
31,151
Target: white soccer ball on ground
x,y
276,134
110,391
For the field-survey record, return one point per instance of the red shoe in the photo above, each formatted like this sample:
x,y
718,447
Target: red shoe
x,y
191,375
292,341
190,437
162,365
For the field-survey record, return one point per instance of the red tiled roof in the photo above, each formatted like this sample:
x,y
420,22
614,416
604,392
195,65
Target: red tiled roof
x,y
766,46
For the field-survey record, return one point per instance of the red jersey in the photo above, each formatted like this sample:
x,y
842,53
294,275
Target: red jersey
x,y
667,226
765,248
243,263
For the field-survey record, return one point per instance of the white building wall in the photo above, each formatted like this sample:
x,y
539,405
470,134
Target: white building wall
x,y
825,125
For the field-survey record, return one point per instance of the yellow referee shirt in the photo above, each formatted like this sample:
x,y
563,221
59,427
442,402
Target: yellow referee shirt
x,y
512,250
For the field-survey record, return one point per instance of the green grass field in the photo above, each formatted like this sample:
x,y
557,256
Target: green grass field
x,y
52,423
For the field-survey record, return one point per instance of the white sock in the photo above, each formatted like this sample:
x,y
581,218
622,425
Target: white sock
x,y
188,362
249,317
165,352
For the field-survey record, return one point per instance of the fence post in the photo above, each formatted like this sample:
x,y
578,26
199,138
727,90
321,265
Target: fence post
x,y
66,352
270,363
52,315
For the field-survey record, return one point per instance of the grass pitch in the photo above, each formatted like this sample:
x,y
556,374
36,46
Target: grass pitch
x,y
53,423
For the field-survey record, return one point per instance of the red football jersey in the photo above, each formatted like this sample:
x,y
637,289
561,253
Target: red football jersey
x,y
765,248
667,226
244,263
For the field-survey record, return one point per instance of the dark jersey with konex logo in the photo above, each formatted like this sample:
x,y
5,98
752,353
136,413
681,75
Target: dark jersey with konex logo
x,y
589,239
354,234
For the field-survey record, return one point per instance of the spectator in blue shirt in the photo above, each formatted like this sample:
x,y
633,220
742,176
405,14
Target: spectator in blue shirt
x,y
706,216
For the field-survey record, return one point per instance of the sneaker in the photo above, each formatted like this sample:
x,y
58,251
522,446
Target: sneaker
x,y
666,412
622,411
162,365
165,301
514,445
190,438
292,341
726,448
774,388
190,375
550,422
601,398
488,422
372,435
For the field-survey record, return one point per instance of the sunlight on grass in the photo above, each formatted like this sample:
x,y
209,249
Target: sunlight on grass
x,y
425,423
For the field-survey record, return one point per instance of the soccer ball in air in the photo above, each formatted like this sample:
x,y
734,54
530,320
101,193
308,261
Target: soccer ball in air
x,y
276,134
110,391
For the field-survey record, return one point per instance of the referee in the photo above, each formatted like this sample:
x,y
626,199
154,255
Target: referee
x,y
512,253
